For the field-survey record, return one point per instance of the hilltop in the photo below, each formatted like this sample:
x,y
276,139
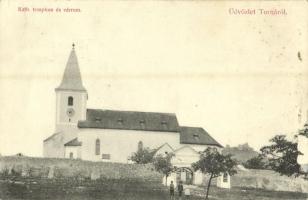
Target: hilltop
x,y
242,152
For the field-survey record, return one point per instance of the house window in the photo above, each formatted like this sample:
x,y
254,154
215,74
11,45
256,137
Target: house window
x,y
71,155
140,145
120,121
106,156
164,124
142,124
196,136
98,119
97,147
70,101
225,177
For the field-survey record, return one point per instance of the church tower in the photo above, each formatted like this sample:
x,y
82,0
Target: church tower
x,y
71,96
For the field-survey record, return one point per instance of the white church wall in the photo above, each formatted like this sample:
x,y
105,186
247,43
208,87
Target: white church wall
x,y
120,144
53,147
74,150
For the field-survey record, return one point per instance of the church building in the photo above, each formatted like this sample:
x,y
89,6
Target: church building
x,y
113,135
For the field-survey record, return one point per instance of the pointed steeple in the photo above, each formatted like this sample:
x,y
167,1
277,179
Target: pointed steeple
x,y
72,79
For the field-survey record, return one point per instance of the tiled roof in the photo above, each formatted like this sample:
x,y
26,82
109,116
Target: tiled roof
x,y
130,120
72,78
196,135
73,142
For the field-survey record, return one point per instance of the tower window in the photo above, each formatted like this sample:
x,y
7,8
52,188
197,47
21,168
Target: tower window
x,y
97,147
70,101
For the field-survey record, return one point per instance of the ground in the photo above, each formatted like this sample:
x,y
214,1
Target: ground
x,y
29,178
130,191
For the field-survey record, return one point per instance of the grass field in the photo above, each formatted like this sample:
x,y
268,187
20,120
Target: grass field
x,y
128,191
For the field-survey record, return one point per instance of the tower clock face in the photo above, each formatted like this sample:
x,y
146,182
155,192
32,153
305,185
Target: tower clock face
x,y
70,112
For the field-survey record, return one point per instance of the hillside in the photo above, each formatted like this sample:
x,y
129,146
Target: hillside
x,y
242,153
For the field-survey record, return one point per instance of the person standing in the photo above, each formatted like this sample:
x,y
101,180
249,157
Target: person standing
x,y
171,190
180,189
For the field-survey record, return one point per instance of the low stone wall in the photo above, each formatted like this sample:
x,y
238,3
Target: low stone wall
x,y
54,168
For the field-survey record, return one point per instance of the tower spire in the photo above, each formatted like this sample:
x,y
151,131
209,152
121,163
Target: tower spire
x,y
72,78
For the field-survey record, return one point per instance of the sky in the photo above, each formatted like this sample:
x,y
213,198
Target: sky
x,y
243,78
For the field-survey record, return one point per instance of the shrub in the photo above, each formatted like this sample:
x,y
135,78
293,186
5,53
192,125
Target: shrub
x,y
255,163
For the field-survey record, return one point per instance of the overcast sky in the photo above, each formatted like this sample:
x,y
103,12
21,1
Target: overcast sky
x,y
242,78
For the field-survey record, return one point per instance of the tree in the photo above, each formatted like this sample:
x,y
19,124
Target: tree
x,y
163,164
143,156
256,162
282,156
213,163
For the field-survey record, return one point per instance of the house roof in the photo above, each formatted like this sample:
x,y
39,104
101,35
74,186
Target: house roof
x,y
165,144
72,78
73,142
130,120
196,135
185,147
52,136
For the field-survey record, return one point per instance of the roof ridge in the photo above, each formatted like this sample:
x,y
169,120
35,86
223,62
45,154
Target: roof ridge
x,y
131,111
192,127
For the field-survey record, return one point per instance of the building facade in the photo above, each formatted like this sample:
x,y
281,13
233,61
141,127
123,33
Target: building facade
x,y
113,135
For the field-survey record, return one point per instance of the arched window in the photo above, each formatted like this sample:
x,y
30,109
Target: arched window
x,y
140,145
71,155
97,147
70,101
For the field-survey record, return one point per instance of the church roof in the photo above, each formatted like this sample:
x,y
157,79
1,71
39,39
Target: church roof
x,y
52,136
196,135
73,142
72,79
130,120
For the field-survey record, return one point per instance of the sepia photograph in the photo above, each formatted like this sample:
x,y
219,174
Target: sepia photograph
x,y
154,100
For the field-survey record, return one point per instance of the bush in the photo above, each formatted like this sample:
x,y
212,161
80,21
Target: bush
x,y
255,163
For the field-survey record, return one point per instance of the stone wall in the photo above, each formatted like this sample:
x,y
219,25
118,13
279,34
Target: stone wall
x,y
56,168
